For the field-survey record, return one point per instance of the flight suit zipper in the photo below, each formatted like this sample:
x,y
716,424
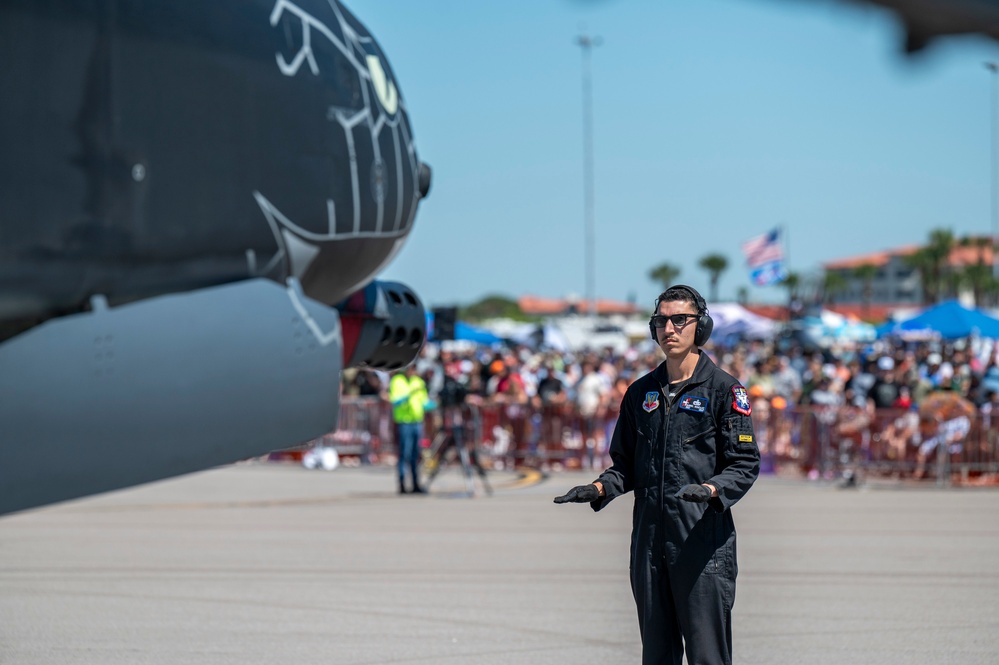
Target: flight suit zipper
x,y
665,447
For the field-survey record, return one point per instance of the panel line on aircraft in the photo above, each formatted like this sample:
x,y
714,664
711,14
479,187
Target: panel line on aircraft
x,y
377,127
414,169
324,339
398,179
279,224
309,21
378,186
352,121
354,185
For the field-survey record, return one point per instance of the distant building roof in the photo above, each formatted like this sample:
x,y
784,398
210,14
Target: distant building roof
x,y
872,312
966,255
960,255
550,306
873,258
776,312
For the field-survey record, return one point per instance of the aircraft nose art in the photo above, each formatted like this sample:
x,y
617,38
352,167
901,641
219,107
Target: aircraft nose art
x,y
385,89
332,241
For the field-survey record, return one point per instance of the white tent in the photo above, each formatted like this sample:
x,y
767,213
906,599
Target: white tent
x,y
527,333
829,328
732,319
844,328
582,332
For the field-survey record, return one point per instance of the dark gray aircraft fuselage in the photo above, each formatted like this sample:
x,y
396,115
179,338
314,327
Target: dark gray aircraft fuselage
x,y
194,200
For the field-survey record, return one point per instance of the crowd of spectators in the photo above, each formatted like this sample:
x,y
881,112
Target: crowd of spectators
x,y
855,379
884,373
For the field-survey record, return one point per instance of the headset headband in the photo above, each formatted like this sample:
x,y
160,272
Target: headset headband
x,y
699,302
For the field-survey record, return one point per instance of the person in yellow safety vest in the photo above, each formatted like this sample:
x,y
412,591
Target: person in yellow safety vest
x,y
408,394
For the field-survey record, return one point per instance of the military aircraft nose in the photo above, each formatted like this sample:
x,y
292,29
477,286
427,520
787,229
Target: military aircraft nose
x,y
425,177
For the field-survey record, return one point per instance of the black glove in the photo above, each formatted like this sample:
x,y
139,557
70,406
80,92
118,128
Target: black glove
x,y
694,493
580,494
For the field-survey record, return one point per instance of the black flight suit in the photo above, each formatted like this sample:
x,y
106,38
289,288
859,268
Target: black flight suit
x,y
683,565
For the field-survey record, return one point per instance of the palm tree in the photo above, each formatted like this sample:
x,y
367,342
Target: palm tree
x,y
977,275
665,274
938,249
931,263
833,283
991,291
866,273
922,263
791,283
715,264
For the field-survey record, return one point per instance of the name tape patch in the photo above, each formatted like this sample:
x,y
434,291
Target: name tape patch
x,y
745,438
694,403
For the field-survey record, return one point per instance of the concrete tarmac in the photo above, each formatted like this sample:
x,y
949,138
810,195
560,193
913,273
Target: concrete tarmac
x,y
270,563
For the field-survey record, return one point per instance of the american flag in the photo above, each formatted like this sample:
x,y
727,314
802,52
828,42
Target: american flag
x,y
765,259
763,249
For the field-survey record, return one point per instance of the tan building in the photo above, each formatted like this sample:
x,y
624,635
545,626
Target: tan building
x,y
896,282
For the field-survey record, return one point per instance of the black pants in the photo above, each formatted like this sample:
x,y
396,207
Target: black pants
x,y
679,606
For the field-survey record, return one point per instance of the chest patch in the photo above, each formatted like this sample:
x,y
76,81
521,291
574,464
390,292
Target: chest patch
x,y
694,403
651,402
740,401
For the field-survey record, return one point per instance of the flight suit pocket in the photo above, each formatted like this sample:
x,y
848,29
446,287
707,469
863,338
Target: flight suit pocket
x,y
740,433
709,539
699,455
718,563
699,440
644,451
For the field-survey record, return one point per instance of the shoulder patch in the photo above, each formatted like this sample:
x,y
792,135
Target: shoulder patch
x,y
651,402
694,403
740,400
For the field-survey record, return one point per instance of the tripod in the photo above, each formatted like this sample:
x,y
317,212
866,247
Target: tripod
x,y
450,442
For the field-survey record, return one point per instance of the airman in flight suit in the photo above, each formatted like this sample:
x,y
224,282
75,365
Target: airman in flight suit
x,y
684,444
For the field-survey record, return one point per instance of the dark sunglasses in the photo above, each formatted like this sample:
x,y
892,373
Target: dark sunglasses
x,y
678,320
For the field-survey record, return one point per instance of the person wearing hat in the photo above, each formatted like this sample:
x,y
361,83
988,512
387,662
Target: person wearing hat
x,y
684,444
885,390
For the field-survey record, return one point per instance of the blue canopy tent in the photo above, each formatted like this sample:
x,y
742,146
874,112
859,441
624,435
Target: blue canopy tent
x,y
470,333
949,319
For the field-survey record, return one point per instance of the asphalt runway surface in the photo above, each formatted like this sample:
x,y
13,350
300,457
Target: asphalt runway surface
x,y
272,563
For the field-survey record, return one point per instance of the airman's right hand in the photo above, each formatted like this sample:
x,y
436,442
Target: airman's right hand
x,y
580,494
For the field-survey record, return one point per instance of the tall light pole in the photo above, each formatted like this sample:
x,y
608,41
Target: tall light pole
x,y
586,43
994,69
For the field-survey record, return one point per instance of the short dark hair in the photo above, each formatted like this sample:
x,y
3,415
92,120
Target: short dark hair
x,y
678,294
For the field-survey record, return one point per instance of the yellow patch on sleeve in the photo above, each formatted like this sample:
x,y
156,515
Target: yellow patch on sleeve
x,y
745,438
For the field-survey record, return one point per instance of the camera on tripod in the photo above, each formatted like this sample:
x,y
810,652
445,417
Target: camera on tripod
x,y
453,393
456,436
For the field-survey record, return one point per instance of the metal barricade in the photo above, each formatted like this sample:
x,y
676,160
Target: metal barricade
x,y
364,431
817,442
550,436
848,443
511,434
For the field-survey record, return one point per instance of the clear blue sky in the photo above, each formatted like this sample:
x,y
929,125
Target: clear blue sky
x,y
714,121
